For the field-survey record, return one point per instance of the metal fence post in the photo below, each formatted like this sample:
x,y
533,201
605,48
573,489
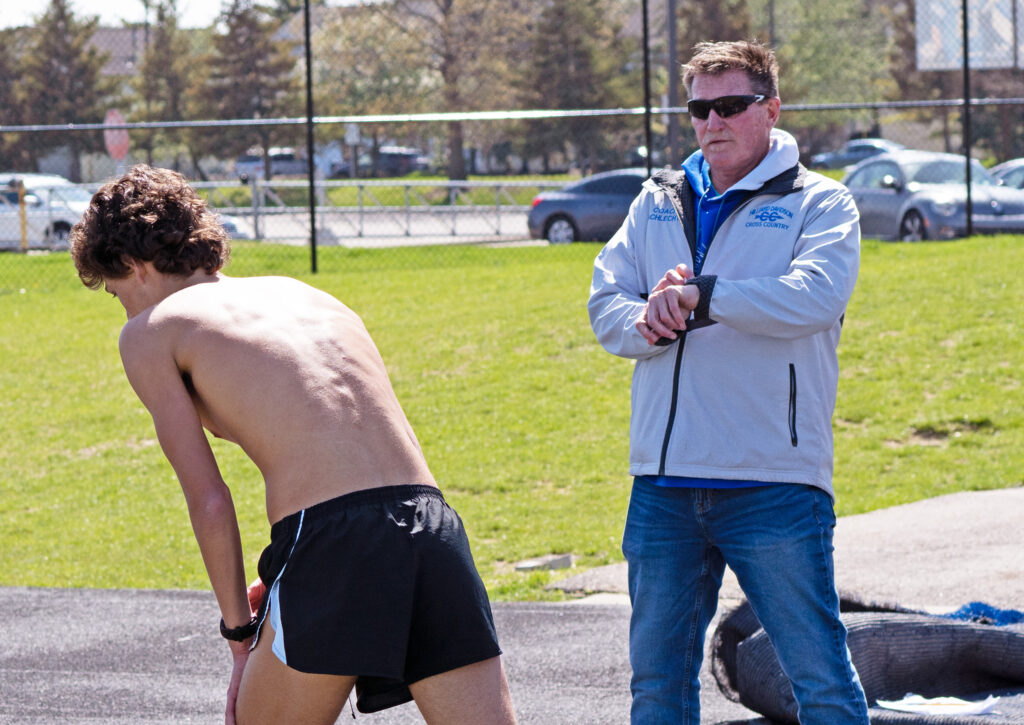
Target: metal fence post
x,y
497,209
452,197
255,201
359,201
408,212
22,216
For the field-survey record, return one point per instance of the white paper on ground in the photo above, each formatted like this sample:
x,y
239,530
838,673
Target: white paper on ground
x,y
939,705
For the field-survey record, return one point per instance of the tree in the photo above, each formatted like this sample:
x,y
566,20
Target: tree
x,y
352,76
164,76
62,81
822,67
712,21
12,154
577,60
909,83
284,10
252,75
997,129
470,47
809,56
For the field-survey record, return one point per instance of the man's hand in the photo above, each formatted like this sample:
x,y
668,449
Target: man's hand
x,y
669,306
240,655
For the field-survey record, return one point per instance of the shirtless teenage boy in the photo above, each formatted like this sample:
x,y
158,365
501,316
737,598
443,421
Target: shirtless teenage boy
x,y
370,581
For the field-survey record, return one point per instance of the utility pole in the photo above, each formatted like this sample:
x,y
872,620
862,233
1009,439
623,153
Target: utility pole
x,y
967,118
647,85
310,147
673,86
145,50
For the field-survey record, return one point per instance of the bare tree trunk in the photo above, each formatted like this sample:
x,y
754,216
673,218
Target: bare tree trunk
x,y
76,163
947,142
1005,133
194,157
456,160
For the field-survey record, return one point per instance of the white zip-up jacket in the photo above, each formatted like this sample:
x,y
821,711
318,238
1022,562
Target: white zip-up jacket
x,y
748,392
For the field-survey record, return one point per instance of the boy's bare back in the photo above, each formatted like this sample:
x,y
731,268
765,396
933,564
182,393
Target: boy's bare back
x,y
289,374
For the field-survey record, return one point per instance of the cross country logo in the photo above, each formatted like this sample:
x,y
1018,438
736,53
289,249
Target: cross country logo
x,y
770,217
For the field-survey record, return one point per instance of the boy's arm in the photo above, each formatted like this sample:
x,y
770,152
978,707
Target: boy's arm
x,y
155,377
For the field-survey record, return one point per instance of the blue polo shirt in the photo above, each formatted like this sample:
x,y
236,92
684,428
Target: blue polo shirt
x,y
712,208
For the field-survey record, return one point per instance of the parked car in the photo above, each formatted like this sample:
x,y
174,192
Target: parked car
x,y
283,162
394,161
233,226
339,170
853,152
52,206
1010,173
587,210
913,195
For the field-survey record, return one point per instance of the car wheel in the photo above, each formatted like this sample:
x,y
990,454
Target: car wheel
x,y
561,230
57,236
912,227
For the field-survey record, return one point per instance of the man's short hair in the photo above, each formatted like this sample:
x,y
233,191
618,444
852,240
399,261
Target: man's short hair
x,y
149,215
753,58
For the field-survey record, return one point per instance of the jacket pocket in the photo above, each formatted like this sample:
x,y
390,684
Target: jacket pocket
x,y
792,404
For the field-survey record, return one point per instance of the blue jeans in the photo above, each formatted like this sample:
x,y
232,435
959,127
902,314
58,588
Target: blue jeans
x,y
778,541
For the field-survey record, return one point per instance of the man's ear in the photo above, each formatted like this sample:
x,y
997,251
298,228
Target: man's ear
x,y
138,267
774,110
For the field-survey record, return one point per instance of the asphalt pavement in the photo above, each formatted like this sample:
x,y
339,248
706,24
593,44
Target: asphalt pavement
x,y
120,657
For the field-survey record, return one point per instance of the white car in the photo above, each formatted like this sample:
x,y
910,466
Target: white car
x,y
52,206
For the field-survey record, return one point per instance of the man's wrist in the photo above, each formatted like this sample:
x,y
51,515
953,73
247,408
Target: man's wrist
x,y
705,284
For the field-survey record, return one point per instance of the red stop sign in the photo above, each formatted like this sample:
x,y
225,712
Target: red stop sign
x,y
116,139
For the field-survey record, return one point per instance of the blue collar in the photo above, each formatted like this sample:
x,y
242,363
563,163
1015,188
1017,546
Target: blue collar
x,y
712,208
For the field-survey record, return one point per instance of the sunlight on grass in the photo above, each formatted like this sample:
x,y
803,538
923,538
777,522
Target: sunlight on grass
x,y
522,416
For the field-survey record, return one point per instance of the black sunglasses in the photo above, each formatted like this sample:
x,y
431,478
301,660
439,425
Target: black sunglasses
x,y
724,106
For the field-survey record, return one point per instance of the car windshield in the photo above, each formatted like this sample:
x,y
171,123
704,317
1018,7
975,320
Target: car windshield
x,y
947,171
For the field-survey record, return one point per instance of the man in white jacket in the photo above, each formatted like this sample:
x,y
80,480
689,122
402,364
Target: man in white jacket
x,y
727,284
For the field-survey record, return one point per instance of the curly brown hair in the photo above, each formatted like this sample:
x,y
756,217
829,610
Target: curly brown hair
x,y
753,58
150,215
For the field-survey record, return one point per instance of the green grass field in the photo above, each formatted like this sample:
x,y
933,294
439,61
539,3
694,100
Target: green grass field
x,y
522,416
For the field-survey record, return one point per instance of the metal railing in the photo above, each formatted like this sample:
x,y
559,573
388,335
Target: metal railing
x,y
377,211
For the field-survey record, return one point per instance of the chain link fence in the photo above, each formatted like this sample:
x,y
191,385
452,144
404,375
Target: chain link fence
x,y
285,137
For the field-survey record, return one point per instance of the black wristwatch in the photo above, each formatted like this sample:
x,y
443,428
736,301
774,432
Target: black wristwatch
x,y
240,634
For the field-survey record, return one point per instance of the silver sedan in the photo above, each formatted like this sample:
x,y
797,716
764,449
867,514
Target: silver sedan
x,y
914,195
588,210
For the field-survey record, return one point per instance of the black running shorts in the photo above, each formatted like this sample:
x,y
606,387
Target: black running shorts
x,y
379,584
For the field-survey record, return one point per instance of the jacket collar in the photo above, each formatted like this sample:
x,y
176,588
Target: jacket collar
x,y
780,172
783,154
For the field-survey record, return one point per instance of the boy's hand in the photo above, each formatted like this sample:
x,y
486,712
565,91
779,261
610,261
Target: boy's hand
x,y
255,593
240,655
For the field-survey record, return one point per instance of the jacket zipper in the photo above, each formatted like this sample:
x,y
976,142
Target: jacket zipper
x,y
673,405
792,404
677,203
